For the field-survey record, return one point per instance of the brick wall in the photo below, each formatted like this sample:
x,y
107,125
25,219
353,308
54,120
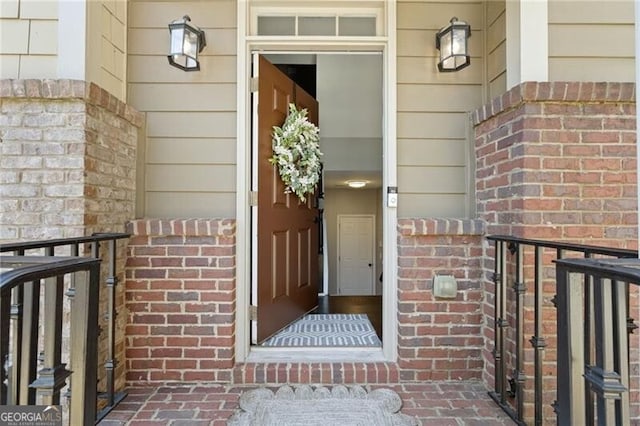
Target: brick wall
x,y
439,339
67,169
181,305
556,161
180,301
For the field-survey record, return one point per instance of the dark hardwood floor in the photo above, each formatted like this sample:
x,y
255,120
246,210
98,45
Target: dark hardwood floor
x,y
370,305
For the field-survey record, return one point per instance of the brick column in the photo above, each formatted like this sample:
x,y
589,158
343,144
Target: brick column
x,y
67,169
439,339
557,161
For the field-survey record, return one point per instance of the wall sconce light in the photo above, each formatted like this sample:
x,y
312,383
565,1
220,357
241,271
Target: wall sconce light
x,y
452,41
186,42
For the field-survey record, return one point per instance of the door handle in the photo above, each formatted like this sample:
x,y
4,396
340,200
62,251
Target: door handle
x,y
370,265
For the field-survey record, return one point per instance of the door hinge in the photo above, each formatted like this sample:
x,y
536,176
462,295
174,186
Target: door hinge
x,y
253,84
253,198
253,313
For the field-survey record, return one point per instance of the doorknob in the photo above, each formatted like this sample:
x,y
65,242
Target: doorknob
x,y
370,265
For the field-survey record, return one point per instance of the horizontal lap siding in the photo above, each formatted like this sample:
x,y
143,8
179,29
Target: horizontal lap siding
x,y
606,48
191,147
433,125
29,40
107,41
496,48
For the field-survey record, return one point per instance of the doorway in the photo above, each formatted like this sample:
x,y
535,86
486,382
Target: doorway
x,y
348,90
386,221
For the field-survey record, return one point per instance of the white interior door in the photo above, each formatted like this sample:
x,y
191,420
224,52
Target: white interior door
x,y
356,255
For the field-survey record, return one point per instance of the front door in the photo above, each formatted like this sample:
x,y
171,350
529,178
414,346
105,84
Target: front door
x,y
287,236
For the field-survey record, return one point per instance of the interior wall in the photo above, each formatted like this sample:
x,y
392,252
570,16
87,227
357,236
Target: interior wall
x,y
350,98
350,201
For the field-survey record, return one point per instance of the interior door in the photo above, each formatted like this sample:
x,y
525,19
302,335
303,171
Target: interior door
x,y
356,254
287,235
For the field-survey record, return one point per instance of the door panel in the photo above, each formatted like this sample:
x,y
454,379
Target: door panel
x,y
287,272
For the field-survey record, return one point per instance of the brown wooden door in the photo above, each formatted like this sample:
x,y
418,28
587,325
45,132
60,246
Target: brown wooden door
x,y
287,232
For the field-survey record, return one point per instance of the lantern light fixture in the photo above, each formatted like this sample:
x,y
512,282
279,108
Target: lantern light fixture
x,y
453,43
187,41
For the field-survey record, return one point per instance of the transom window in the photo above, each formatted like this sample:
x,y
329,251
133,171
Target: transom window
x,y
317,21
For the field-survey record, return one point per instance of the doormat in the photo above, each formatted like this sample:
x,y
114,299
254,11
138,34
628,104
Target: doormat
x,y
320,407
321,330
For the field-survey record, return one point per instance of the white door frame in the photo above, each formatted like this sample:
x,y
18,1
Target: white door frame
x,y
372,218
246,45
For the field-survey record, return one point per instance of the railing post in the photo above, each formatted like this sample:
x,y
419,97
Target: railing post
x,y
603,378
588,340
110,364
52,377
84,350
500,321
570,382
537,341
28,348
5,315
519,289
621,337
17,307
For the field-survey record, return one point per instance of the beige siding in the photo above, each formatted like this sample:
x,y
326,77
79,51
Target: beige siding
x,y
496,48
29,42
28,39
433,124
191,116
605,30
108,45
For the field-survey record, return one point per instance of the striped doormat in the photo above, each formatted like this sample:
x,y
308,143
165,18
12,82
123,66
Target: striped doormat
x,y
322,330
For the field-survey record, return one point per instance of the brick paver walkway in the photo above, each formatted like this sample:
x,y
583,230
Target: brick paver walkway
x,y
437,404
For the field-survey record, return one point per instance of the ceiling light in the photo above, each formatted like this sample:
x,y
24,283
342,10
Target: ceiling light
x,y
356,183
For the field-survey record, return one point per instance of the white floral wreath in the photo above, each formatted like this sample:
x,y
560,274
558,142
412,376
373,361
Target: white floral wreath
x,y
296,152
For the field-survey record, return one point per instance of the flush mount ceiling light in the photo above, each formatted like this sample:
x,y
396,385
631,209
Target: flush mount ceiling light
x,y
186,42
356,183
452,41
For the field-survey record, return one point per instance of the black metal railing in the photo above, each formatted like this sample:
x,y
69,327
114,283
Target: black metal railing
x,y
29,337
528,265
593,363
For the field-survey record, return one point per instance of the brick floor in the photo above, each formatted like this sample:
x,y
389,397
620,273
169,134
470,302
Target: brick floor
x,y
435,403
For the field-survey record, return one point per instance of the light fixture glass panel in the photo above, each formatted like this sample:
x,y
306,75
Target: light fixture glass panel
x,y
190,44
276,25
177,36
445,45
357,26
317,26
